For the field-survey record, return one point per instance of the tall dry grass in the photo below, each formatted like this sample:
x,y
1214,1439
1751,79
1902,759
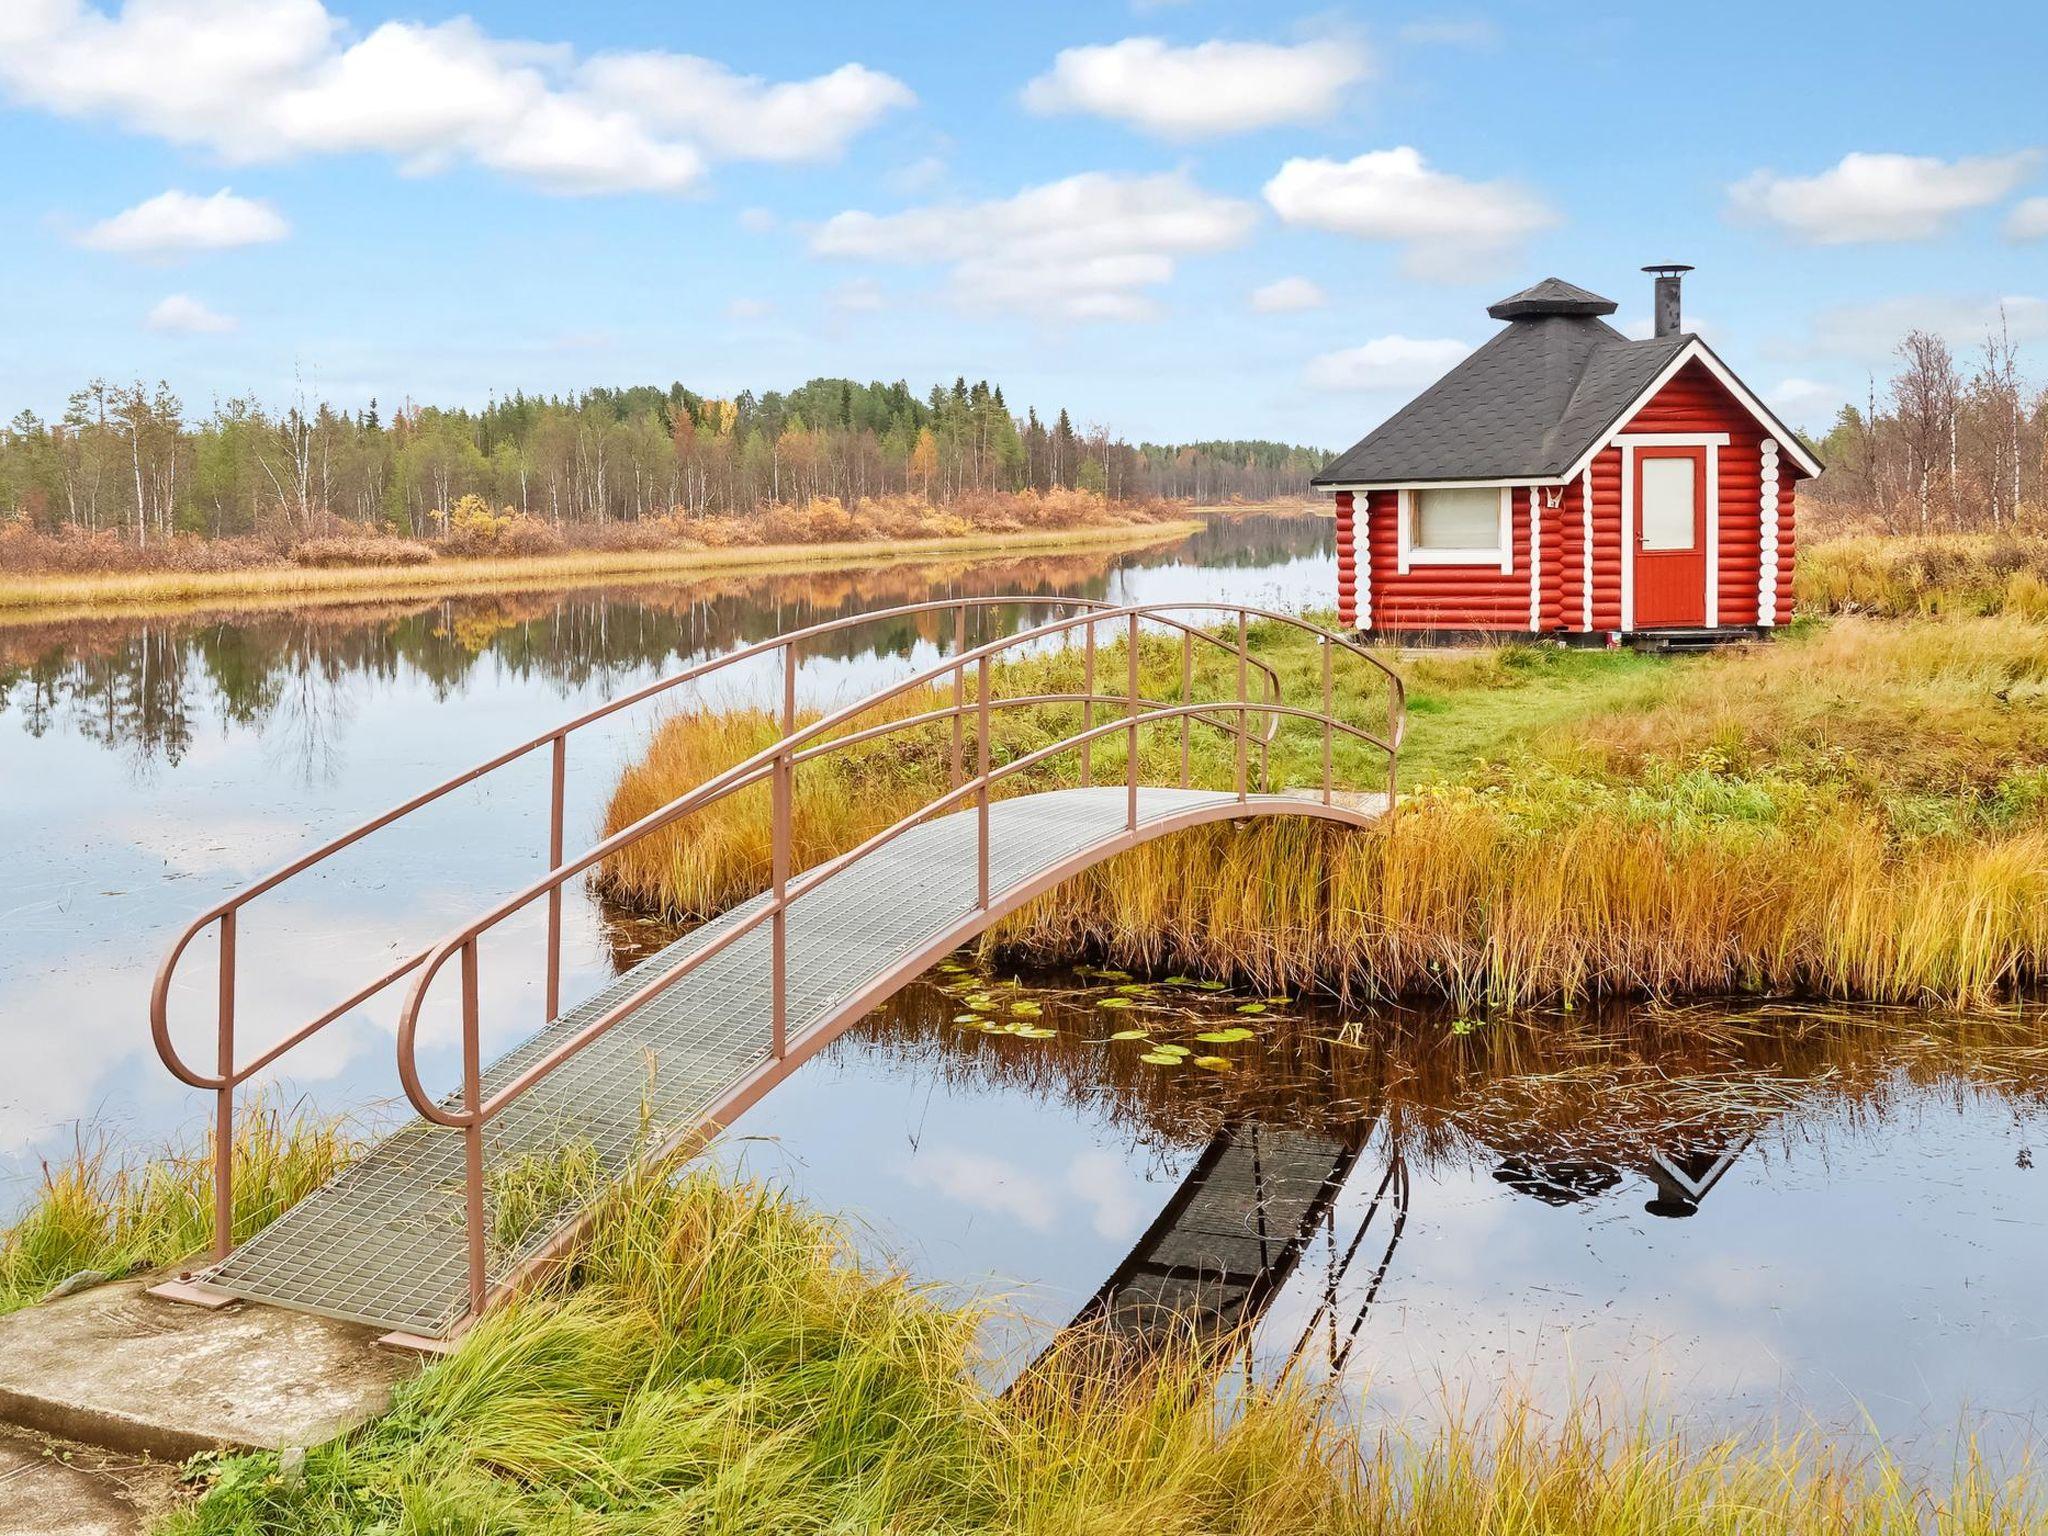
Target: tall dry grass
x,y
727,1364
97,1211
1938,574
1859,811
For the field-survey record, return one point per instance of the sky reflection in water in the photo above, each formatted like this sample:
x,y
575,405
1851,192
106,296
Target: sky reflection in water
x,y
1846,1218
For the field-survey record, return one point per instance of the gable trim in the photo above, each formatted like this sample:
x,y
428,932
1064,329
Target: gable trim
x,y
1697,350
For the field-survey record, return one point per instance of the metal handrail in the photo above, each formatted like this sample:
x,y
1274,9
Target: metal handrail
x,y
228,1074
778,761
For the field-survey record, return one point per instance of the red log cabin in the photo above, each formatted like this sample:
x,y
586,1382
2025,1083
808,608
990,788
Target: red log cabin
x,y
1569,482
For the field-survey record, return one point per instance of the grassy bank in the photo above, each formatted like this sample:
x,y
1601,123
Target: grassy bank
x,y
97,1212
46,597
1859,810
725,1362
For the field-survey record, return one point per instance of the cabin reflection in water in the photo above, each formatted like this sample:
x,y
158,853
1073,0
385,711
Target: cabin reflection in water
x,y
1237,1230
1682,1174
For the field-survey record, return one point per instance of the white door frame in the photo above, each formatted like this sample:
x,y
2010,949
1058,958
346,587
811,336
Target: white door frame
x,y
1629,442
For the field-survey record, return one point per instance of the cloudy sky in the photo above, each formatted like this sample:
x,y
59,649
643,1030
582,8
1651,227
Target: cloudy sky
x,y
1180,219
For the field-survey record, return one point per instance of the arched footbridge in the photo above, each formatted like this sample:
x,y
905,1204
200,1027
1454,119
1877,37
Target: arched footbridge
x,y
661,1057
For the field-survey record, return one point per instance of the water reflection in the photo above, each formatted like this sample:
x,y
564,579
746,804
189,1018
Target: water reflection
x,y
1421,1216
144,686
151,766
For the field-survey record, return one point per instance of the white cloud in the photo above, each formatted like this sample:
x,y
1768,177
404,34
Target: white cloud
x,y
1287,294
2029,220
1086,248
1872,197
1102,1181
1869,334
175,222
862,295
1386,363
986,1183
743,117
922,175
1209,88
749,309
182,315
260,80
1447,225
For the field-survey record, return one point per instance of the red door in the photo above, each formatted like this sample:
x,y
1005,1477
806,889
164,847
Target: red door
x,y
1671,537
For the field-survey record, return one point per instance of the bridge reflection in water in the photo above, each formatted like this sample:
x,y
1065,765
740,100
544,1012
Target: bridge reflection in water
x,y
1260,1197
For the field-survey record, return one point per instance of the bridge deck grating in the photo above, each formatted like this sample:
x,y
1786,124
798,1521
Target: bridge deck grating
x,y
383,1241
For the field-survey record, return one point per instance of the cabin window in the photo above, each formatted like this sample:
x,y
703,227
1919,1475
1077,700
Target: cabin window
x,y
1668,503
1455,525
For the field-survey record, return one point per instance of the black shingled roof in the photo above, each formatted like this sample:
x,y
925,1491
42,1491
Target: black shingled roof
x,y
1524,406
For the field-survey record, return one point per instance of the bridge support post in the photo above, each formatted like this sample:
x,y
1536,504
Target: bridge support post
x,y
1243,720
778,986
981,766
224,1098
1327,693
1088,704
959,694
558,772
1131,732
472,1132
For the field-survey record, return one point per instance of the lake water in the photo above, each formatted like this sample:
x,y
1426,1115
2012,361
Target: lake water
x,y
1813,1220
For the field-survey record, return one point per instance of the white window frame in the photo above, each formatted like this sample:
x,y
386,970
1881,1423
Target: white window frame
x,y
1407,555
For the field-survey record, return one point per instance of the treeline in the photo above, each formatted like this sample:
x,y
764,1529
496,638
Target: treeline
x,y
134,459
1943,445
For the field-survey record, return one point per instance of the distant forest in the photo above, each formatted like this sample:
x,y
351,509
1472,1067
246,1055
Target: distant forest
x,y
134,460
1946,444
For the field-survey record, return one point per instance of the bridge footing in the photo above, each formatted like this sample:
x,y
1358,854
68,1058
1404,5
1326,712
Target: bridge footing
x,y
125,1370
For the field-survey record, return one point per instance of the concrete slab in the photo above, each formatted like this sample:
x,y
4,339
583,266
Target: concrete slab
x,y
118,1368
54,1488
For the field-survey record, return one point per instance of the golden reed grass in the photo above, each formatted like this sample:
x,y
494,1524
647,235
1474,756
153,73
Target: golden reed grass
x,y
1936,574
1859,812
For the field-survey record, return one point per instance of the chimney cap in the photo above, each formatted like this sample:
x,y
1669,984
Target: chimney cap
x,y
1667,268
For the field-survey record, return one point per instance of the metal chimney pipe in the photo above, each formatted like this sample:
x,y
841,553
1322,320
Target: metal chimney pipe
x,y
1665,304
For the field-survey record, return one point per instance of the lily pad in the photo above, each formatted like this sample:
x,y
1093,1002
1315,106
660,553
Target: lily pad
x,y
1215,1063
1026,1010
1032,1032
1173,1050
1251,1007
1160,1059
1129,1034
1228,1036
1112,1002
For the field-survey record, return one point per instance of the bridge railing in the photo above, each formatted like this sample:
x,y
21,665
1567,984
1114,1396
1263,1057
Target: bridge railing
x,y
231,1070
470,1110
777,764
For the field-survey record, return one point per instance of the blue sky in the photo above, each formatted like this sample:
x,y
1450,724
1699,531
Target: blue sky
x,y
404,199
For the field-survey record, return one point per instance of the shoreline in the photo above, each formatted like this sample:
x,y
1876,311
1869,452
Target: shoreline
x,y
151,594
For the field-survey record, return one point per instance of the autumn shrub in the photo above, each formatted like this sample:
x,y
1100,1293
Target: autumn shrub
x,y
523,537
69,551
362,549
